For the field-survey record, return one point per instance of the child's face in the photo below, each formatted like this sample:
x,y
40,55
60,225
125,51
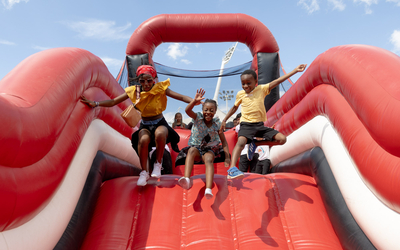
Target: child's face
x,y
178,117
147,82
209,111
248,83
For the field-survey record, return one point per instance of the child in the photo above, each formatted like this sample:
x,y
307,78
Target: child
x,y
178,121
253,117
154,129
204,142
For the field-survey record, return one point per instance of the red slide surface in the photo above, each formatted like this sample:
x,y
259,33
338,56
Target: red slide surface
x,y
258,212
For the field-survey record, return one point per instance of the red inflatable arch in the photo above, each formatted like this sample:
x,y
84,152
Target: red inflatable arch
x,y
201,28
207,28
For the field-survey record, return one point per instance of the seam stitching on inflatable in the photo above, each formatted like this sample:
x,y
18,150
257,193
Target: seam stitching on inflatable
x,y
282,214
184,218
233,216
134,222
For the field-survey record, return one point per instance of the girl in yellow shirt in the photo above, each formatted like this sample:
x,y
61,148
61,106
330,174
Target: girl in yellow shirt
x,y
154,129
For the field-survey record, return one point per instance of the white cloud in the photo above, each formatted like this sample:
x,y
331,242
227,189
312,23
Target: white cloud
x,y
185,61
99,29
367,4
112,62
9,3
395,40
176,50
309,5
337,4
40,47
397,2
5,42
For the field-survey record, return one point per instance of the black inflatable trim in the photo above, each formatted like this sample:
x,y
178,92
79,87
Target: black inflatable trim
x,y
104,167
133,62
314,163
268,70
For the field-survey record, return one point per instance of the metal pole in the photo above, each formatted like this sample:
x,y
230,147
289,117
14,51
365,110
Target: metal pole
x,y
225,60
219,82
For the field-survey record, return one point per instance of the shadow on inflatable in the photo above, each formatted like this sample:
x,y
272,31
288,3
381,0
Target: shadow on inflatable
x,y
68,173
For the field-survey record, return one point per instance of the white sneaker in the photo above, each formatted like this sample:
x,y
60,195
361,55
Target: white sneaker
x,y
143,177
156,170
184,182
208,193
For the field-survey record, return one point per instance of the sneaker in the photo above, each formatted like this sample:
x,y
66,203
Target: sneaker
x,y
235,173
208,193
184,182
251,150
143,177
157,167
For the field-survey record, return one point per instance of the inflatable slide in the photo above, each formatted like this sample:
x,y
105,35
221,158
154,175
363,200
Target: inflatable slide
x,y
68,172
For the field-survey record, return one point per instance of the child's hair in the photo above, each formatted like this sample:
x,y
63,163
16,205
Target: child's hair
x,y
250,72
211,101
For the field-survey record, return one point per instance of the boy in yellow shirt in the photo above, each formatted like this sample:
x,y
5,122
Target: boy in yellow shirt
x,y
253,117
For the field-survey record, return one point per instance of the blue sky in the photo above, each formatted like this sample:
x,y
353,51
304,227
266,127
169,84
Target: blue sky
x,y
303,29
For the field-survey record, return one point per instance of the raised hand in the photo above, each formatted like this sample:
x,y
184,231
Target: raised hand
x,y
198,98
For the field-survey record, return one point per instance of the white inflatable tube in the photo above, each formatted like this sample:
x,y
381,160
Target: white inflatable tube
x,y
46,228
380,223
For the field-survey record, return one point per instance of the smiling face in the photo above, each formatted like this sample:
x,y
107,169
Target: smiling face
x,y
147,82
178,118
248,82
209,111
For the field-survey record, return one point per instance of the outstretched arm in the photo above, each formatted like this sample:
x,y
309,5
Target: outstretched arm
x,y
196,101
178,96
106,103
283,78
230,113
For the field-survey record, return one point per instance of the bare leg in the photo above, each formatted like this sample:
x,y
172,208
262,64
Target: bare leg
x,y
278,139
160,135
192,155
237,150
143,148
208,159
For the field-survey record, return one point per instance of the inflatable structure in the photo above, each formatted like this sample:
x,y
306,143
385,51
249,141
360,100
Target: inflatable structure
x,y
68,172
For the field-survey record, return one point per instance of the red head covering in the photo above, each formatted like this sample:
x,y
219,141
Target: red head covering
x,y
146,69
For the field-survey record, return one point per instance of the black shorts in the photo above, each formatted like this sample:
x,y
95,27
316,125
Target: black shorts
x,y
256,129
172,138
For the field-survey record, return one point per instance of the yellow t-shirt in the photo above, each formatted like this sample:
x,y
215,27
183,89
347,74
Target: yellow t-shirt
x,y
253,109
153,102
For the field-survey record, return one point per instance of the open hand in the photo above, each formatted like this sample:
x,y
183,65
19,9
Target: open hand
x,y
90,103
198,98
